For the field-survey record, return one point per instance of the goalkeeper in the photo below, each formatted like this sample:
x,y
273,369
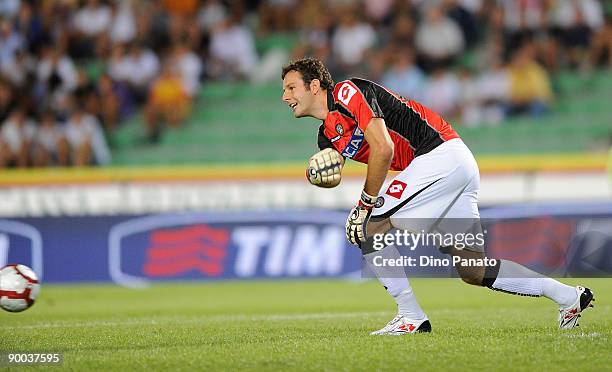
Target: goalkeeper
x,y
438,179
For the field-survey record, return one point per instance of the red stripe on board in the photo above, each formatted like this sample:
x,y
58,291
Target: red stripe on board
x,y
184,265
161,253
191,233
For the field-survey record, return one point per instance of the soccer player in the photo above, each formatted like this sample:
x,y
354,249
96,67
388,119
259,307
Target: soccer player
x,y
438,179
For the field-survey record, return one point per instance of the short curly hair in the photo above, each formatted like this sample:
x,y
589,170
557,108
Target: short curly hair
x,y
310,68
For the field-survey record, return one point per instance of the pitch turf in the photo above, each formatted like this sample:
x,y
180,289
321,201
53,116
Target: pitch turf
x,y
313,325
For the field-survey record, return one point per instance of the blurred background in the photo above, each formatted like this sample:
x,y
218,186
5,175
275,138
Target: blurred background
x,y
146,140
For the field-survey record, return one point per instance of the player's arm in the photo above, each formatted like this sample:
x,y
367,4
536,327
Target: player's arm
x,y
381,155
379,161
359,98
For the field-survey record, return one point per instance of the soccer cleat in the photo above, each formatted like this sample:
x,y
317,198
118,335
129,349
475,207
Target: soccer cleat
x,y
400,325
568,316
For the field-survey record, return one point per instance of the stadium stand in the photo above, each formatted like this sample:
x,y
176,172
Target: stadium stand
x,y
235,122
105,57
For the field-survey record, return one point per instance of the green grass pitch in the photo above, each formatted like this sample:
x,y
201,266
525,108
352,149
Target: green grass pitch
x,y
305,325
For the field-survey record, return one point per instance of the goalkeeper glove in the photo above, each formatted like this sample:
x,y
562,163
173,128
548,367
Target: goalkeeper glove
x,y
324,168
358,219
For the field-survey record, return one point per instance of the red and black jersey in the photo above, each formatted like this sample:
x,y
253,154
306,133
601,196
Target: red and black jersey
x,y
414,128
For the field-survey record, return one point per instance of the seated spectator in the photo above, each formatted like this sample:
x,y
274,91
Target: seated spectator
x,y
232,51
352,40
189,68
494,88
438,39
18,70
168,102
116,102
404,77
56,73
522,20
90,22
530,88
117,64
123,25
137,69
574,24
402,31
442,92
50,145
10,41
86,93
210,14
16,140
86,139
464,18
378,11
142,69
9,8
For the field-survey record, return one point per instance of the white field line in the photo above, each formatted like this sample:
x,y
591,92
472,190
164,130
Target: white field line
x,y
198,320
583,335
203,319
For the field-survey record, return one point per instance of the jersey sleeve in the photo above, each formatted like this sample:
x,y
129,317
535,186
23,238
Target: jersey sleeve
x,y
322,140
358,97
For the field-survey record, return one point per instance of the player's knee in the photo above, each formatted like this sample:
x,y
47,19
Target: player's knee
x,y
480,275
472,279
471,275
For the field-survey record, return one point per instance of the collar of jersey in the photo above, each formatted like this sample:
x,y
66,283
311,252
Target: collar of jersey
x,y
331,105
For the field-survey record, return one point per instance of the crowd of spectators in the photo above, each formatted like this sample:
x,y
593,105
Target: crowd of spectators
x,y
72,71
474,61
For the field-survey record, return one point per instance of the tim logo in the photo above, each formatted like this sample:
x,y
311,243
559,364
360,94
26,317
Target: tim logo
x,y
166,246
396,189
345,93
21,243
177,251
228,245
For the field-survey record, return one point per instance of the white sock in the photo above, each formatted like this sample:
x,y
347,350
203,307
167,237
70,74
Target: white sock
x,y
408,306
396,283
517,279
562,294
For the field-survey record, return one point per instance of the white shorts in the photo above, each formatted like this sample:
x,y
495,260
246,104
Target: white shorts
x,y
442,184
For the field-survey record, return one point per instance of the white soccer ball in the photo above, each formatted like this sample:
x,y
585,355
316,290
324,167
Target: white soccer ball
x,y
19,288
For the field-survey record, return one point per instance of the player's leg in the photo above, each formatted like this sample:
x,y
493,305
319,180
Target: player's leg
x,y
409,197
513,278
410,316
508,276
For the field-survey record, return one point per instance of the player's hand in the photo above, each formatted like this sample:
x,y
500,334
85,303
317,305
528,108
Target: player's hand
x,y
325,168
358,219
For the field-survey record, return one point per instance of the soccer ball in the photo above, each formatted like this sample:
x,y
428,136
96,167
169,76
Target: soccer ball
x,y
19,288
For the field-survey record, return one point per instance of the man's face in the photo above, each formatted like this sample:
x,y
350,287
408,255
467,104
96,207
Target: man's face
x,y
296,95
